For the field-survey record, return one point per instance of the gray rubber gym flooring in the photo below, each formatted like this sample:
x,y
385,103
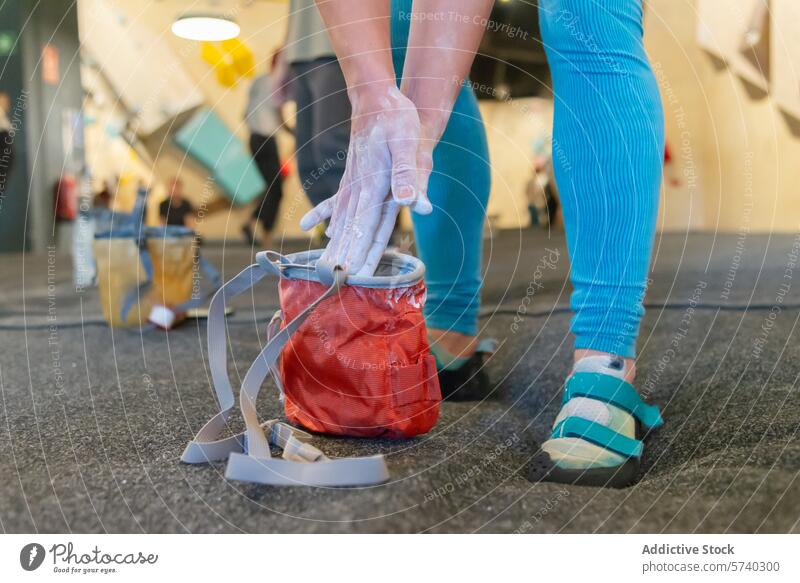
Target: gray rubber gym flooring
x,y
92,421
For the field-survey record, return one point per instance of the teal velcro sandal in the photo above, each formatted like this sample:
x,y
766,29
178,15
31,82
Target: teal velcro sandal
x,y
597,436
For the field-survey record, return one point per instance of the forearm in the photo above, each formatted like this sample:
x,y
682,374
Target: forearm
x,y
443,39
285,124
360,35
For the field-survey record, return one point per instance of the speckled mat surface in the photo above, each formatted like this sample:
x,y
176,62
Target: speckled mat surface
x,y
92,421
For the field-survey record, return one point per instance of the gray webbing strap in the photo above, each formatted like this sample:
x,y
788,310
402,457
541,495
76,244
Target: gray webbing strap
x,y
135,221
257,443
248,454
133,297
207,446
273,328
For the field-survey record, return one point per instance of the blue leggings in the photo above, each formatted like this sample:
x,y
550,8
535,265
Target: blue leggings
x,y
608,143
450,239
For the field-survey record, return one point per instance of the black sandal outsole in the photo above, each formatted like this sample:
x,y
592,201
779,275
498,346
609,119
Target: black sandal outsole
x,y
542,469
468,382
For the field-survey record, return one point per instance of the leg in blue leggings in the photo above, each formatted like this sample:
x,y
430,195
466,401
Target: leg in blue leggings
x,y
449,240
608,143
609,131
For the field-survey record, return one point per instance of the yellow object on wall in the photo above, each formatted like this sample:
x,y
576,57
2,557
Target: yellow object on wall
x,y
241,56
231,60
211,53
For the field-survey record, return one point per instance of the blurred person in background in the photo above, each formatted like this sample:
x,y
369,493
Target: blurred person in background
x,y
6,143
322,131
263,119
541,190
104,198
175,209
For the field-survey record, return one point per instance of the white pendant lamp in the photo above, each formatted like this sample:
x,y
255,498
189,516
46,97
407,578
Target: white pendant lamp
x,y
205,27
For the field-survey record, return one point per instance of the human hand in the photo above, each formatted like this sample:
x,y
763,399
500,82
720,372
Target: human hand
x,y
388,165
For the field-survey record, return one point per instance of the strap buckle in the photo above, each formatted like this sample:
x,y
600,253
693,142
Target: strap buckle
x,y
329,273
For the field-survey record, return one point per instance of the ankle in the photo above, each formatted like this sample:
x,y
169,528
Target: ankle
x,y
455,343
629,366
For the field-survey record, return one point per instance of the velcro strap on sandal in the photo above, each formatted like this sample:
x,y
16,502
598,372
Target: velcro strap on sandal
x,y
599,435
615,392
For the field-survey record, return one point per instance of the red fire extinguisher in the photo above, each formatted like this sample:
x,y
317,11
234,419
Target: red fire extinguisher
x,y
65,198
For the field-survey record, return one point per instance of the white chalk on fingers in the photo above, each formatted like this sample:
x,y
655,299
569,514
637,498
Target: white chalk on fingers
x,y
309,220
423,206
404,195
316,215
381,239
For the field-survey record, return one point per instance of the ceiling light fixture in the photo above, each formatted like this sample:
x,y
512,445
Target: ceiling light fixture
x,y
205,27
